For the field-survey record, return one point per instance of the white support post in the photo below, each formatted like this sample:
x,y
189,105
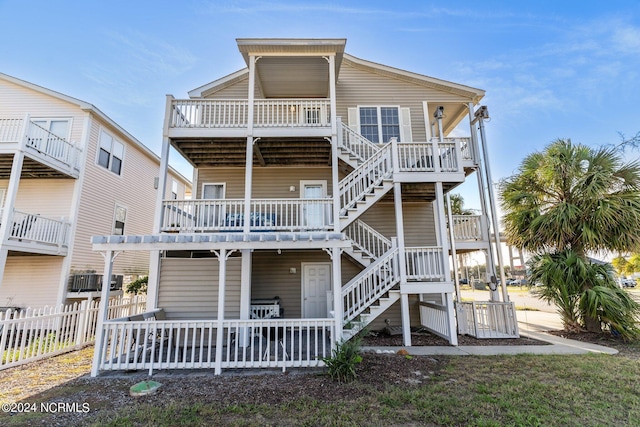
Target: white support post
x,y
335,181
82,323
454,254
109,257
249,154
336,281
451,319
406,319
245,295
442,228
332,93
402,264
162,185
222,276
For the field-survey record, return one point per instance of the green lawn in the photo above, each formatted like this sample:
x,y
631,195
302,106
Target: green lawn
x,y
526,390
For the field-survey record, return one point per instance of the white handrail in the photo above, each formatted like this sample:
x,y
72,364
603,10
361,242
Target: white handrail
x,y
467,227
208,113
292,112
365,178
368,286
39,229
367,239
49,144
10,130
204,215
355,144
425,263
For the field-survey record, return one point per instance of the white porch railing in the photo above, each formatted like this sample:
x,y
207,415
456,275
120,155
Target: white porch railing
x,y
367,239
425,263
355,144
365,178
39,229
467,153
41,141
418,156
436,319
32,334
202,215
487,319
292,113
208,113
196,344
368,286
468,227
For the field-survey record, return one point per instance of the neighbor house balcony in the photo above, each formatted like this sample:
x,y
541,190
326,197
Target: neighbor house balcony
x,y
37,234
224,215
230,117
470,232
48,155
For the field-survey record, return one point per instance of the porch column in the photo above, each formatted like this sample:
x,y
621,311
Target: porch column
x,y
109,257
249,155
245,295
10,200
222,275
451,319
334,144
454,254
442,229
402,263
154,280
336,281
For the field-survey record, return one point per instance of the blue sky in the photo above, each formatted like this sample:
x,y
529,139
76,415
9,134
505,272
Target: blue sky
x,y
551,69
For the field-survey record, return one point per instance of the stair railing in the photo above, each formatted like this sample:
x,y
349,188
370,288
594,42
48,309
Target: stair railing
x,y
355,144
367,239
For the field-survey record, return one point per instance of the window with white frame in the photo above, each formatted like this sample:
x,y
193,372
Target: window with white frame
x,y
174,190
119,219
380,124
110,153
58,127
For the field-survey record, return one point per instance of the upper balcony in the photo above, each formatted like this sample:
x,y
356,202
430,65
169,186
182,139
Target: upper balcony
x,y
470,232
229,118
46,154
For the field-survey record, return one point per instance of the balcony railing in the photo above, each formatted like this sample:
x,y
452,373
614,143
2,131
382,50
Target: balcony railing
x,y
468,228
418,156
425,263
190,216
234,113
39,229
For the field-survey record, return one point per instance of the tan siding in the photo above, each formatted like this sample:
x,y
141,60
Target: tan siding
x,y
31,281
46,197
394,314
17,101
419,228
101,191
189,288
357,87
271,183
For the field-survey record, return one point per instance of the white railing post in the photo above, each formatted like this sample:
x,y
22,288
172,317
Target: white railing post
x,y
81,324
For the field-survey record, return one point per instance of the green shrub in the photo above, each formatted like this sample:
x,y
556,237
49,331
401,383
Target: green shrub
x,y
139,286
341,366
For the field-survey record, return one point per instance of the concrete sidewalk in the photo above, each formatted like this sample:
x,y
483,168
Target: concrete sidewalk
x,y
532,324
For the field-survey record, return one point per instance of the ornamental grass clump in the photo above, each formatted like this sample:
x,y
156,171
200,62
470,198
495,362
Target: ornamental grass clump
x,y
341,366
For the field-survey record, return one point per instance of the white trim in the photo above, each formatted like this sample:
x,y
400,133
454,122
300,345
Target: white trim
x,y
223,184
117,205
49,119
113,140
302,282
321,182
378,107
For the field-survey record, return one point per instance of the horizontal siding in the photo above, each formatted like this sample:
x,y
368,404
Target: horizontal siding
x,y
394,314
47,197
31,281
17,101
189,288
101,191
419,228
268,183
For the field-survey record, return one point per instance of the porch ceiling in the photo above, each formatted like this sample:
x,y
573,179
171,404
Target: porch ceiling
x,y
30,168
266,152
293,77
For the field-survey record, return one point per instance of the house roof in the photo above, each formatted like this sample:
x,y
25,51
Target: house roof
x,y
85,106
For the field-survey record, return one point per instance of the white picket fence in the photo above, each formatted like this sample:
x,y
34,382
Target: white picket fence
x,y
33,334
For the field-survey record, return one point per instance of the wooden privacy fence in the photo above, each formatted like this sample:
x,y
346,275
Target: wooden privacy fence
x,y
32,334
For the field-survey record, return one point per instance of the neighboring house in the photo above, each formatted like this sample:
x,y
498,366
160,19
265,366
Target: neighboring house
x,y
68,172
318,209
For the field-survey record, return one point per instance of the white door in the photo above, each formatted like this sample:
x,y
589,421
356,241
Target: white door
x,y
313,212
316,285
212,213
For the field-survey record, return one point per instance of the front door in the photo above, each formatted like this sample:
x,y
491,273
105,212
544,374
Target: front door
x,y
316,285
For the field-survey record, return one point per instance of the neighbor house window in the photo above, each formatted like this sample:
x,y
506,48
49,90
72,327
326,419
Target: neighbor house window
x,y
380,124
110,153
120,217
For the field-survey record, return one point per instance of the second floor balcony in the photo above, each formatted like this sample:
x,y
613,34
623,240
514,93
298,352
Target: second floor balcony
x,y
230,117
37,234
48,154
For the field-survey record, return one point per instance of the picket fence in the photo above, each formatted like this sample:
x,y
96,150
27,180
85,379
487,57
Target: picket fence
x,y
32,334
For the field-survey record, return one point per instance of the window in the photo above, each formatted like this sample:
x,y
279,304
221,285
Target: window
x,y
174,190
110,153
212,213
380,124
58,127
120,217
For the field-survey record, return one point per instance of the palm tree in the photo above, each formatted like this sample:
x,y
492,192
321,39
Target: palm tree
x,y
571,197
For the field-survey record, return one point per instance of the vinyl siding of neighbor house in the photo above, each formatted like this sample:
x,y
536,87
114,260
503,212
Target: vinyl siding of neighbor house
x,y
17,101
268,182
46,197
189,288
31,281
357,86
101,191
